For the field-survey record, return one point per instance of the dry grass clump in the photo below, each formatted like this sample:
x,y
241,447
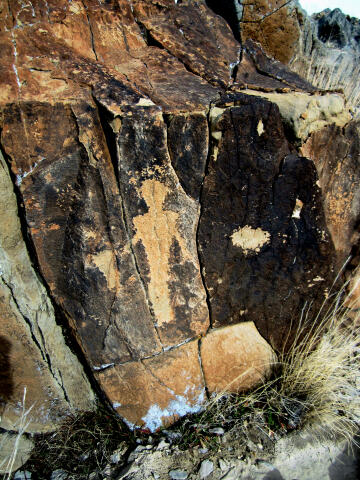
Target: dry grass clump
x,y
82,445
316,384
21,425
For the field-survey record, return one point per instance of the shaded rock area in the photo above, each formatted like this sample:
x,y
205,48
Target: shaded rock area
x,y
34,356
251,241
157,203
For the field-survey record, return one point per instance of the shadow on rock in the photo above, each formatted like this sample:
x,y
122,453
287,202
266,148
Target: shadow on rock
x,y
346,465
6,381
273,475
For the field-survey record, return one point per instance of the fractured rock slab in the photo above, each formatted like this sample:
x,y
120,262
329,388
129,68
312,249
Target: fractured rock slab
x,y
335,152
162,222
33,351
235,358
158,390
253,241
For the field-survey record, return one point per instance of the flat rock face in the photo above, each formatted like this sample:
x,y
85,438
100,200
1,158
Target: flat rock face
x,y
262,227
243,358
157,203
10,443
158,390
272,23
336,155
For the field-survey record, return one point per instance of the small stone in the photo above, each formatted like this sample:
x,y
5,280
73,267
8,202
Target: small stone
x,y
223,465
148,447
22,475
58,475
203,450
232,474
115,458
178,475
107,471
83,457
217,431
162,445
172,436
206,468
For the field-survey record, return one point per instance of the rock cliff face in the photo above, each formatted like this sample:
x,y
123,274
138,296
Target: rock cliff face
x,y
169,224
323,48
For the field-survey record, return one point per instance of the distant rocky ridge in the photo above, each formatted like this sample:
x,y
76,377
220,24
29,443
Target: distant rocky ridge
x,y
329,54
169,205
323,48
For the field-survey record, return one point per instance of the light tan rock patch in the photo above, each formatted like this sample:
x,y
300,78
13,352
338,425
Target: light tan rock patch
x,y
235,358
306,113
251,240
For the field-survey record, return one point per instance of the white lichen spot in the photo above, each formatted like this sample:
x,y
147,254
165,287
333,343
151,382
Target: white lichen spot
x,y
180,406
116,404
297,209
20,176
251,240
260,128
145,102
104,366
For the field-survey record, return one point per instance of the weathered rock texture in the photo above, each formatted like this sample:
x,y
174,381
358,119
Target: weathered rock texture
x,y
158,201
33,352
328,53
323,48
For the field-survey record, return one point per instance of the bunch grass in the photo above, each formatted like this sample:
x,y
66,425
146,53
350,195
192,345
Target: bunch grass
x,y
316,382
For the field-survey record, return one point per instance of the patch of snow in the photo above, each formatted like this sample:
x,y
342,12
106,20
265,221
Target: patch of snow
x,y
180,406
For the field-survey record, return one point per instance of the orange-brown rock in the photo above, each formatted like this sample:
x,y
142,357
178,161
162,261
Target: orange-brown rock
x,y
156,201
335,153
274,24
158,390
235,358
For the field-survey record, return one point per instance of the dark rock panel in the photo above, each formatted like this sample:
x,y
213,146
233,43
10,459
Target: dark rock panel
x,y
188,143
162,222
74,217
264,245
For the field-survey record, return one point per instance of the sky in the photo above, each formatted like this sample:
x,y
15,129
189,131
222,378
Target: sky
x,y
349,7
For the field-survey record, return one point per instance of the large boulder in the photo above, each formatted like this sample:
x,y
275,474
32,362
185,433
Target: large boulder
x,y
163,203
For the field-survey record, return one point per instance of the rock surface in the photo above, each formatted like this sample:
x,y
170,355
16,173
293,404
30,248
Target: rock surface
x,y
52,376
243,358
323,48
335,152
23,450
251,242
158,202
328,53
